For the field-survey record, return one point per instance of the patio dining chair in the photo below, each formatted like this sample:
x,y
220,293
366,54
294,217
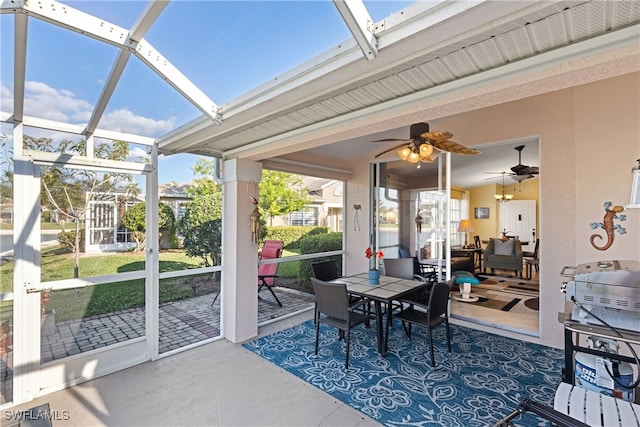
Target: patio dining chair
x,y
272,249
403,268
334,309
435,313
326,271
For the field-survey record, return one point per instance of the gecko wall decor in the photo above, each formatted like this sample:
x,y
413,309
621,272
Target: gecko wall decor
x,y
611,213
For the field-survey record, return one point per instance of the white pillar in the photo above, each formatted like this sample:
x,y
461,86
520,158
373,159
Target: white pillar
x,y
239,310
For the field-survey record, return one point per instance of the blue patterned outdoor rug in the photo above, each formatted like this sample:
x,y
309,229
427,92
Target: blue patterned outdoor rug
x,y
480,382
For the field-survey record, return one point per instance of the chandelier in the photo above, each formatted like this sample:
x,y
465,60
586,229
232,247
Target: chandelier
x,y
503,197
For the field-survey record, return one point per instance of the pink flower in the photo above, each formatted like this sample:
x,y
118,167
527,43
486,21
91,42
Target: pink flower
x,y
369,254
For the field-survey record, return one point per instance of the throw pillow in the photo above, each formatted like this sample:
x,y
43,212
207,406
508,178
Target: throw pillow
x,y
503,248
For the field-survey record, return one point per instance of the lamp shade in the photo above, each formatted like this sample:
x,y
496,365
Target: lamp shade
x,y
404,152
426,150
413,157
465,226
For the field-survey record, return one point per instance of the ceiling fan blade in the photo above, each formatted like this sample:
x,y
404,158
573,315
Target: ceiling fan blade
x,y
521,178
454,147
390,149
392,140
529,170
437,136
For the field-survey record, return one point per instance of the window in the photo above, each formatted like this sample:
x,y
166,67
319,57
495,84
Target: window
x,y
457,237
307,216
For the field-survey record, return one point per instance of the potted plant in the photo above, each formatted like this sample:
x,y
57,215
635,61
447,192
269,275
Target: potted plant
x,y
374,273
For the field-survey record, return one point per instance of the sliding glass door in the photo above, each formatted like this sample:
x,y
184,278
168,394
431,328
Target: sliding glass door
x,y
411,211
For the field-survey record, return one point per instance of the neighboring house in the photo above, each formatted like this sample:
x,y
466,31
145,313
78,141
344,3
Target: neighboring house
x,y
175,196
103,222
104,229
325,209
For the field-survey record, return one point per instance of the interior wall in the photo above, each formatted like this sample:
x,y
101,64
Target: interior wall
x,y
483,197
607,139
589,140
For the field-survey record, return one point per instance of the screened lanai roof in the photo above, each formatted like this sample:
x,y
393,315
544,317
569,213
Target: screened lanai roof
x,y
148,67
308,76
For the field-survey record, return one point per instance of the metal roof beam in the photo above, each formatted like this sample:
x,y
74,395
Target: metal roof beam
x,y
355,15
67,17
19,65
36,122
139,29
150,56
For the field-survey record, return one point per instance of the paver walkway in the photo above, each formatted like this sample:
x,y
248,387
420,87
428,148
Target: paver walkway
x,y
181,323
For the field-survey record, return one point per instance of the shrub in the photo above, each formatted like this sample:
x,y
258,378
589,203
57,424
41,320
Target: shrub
x,y
68,239
134,219
291,235
318,243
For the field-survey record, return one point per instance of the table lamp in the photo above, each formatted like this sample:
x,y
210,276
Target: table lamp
x,y
465,227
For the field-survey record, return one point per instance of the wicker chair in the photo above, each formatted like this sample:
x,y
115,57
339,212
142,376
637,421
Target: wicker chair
x,y
334,309
435,313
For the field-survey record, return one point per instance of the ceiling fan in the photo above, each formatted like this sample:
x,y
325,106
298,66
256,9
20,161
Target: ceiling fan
x,y
520,172
521,169
424,146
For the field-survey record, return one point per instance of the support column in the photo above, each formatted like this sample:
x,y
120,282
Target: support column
x,y
239,309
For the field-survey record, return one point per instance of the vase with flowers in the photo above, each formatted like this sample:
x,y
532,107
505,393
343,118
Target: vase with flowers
x,y
373,257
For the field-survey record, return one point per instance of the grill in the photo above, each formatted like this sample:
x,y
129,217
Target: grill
x,y
608,289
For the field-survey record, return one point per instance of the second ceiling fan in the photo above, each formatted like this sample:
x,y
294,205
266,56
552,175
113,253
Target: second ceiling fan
x,y
424,145
520,172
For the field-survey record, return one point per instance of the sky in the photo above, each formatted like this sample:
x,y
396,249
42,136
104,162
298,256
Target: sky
x,y
226,48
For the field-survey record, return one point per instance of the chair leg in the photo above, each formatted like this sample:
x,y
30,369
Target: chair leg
x,y
446,324
433,358
346,362
215,298
315,314
317,335
407,329
274,295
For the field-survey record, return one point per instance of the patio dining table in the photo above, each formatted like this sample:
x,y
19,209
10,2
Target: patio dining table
x,y
388,290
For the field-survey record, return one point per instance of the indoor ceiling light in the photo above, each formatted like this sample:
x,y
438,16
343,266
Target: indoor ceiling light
x,y
503,197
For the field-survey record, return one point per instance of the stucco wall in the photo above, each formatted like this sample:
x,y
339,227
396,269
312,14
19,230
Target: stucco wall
x,y
589,141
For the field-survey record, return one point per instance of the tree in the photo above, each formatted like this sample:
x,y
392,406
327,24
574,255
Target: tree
x,y
202,231
281,193
201,224
134,220
68,190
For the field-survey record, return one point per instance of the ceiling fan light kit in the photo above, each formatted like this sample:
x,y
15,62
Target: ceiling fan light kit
x,y
421,147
